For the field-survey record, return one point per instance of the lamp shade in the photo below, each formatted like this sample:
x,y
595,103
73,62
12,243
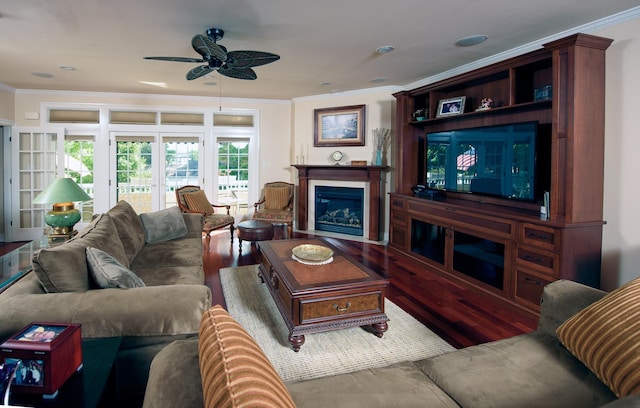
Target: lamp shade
x,y
62,190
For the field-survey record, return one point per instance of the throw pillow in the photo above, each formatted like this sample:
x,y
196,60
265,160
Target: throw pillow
x,y
604,336
276,198
109,273
198,201
163,225
234,370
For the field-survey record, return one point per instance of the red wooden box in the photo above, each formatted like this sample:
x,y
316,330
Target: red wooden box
x,y
46,354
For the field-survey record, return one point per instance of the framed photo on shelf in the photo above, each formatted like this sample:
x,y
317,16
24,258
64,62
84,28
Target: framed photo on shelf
x,y
341,126
451,106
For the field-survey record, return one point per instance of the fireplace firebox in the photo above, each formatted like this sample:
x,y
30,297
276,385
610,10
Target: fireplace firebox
x,y
339,209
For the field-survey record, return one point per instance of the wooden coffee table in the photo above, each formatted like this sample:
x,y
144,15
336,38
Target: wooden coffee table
x,y
318,298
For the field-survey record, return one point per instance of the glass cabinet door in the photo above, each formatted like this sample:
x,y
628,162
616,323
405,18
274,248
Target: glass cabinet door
x,y
428,240
479,258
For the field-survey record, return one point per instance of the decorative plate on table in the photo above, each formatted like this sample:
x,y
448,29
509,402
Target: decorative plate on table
x,y
312,254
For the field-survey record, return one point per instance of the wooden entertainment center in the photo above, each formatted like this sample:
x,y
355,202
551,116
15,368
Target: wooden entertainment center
x,y
502,247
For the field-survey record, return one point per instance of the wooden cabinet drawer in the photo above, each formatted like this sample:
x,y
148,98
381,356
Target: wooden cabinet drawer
x,y
398,203
540,260
398,236
340,307
457,217
529,287
399,217
539,236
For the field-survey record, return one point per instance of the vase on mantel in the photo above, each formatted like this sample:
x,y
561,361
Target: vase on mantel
x,y
378,159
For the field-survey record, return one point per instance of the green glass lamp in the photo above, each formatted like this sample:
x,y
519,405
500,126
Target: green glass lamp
x,y
62,193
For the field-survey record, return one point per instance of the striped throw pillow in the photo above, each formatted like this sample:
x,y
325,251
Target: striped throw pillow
x,y
276,198
604,336
234,370
198,201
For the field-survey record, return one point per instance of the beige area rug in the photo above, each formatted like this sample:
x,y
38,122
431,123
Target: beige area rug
x,y
330,353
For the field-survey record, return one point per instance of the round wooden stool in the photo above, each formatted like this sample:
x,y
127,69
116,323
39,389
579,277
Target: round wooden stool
x,y
254,230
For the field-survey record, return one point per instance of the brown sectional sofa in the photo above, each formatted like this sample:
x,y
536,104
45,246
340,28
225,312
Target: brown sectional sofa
x,y
169,307
530,370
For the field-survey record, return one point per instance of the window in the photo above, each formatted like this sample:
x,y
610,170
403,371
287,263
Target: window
x,y
233,173
78,165
134,173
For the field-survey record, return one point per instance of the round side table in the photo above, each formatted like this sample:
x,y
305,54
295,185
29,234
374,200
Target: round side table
x,y
254,230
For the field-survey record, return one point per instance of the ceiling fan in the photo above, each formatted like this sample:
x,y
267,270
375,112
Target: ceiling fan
x,y
234,64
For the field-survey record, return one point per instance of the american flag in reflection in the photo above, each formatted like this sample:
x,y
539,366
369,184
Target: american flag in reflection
x,y
466,159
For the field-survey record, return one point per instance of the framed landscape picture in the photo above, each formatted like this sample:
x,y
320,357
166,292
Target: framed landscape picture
x,y
341,126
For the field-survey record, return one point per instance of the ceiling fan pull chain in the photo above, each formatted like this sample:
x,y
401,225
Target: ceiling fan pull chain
x,y
220,95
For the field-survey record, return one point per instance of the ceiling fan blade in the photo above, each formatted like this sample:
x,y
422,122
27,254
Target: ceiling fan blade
x,y
246,59
198,71
177,59
206,47
238,73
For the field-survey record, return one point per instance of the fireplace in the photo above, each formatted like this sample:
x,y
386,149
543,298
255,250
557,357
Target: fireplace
x,y
367,177
339,209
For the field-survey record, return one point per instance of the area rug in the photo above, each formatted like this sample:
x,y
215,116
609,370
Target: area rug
x,y
335,352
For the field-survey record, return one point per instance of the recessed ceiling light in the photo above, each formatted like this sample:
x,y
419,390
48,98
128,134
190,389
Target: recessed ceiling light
x,y
385,49
471,40
210,83
378,80
66,68
42,74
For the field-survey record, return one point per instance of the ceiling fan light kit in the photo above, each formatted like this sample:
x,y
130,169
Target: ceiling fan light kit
x,y
234,64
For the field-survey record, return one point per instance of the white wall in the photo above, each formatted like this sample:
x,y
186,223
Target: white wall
x,y
621,237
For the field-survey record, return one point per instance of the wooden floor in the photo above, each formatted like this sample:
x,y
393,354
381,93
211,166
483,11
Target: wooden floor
x,y
461,317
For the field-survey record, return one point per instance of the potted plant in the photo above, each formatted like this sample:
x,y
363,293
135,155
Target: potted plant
x,y
421,114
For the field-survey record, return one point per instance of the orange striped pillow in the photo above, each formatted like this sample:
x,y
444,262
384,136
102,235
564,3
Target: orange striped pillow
x,y
604,336
198,201
276,198
234,370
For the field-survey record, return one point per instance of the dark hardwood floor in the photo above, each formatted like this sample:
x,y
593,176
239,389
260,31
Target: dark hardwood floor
x,y
460,316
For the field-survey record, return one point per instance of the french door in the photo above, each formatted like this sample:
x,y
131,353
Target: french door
x,y
148,167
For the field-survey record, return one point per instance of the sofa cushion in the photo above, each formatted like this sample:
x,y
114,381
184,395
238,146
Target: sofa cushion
x,y
235,372
604,336
198,201
276,198
163,225
531,370
129,227
63,268
399,385
108,272
174,377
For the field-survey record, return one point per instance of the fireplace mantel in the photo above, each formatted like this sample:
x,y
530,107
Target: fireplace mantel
x,y
368,174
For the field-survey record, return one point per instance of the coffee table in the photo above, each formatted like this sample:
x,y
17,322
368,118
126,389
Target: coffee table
x,y
318,298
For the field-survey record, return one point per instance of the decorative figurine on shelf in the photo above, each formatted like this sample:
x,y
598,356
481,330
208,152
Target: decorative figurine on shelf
x,y
485,104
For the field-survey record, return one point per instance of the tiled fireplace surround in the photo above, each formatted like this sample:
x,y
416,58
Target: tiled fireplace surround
x,y
367,177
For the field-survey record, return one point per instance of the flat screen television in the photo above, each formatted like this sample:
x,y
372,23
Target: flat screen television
x,y
509,161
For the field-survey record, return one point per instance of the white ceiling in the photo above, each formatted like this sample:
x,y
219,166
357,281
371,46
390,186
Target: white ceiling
x,y
319,41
